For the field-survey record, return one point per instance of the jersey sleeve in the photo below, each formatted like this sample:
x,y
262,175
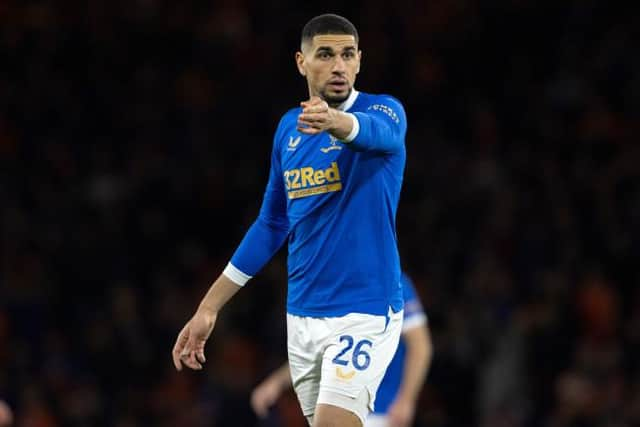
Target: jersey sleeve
x,y
267,234
414,314
381,127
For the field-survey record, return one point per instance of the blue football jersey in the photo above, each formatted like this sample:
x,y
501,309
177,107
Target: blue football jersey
x,y
335,203
414,315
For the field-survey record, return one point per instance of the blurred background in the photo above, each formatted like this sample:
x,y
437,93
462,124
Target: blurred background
x,y
134,149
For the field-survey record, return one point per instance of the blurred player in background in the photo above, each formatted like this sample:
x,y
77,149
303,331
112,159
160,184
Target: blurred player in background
x,y
6,416
397,395
337,167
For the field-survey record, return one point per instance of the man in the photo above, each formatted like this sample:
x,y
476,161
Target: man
x,y
399,390
337,166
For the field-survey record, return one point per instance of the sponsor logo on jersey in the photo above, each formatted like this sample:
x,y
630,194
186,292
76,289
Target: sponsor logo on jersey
x,y
307,181
386,110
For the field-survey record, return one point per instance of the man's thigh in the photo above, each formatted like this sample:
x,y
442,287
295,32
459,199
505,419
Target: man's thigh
x,y
335,416
356,360
304,338
339,362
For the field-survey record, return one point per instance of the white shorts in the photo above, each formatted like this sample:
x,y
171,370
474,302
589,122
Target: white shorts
x,y
333,358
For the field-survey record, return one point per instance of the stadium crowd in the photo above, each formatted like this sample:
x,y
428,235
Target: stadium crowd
x,y
133,139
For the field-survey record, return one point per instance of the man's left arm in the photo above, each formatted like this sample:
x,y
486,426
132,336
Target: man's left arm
x,y
382,127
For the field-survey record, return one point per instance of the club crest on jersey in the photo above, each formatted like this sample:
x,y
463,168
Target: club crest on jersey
x,y
293,143
307,181
332,145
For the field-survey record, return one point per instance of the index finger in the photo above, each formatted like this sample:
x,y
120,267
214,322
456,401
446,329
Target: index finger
x,y
309,130
177,349
314,100
176,361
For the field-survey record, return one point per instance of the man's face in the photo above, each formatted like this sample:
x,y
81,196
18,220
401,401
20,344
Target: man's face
x,y
330,64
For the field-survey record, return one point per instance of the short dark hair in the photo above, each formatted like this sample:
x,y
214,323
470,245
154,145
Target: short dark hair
x,y
329,23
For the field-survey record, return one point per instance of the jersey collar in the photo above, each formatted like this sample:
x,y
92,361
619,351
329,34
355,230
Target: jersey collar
x,y
348,103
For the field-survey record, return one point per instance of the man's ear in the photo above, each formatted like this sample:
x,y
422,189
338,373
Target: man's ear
x,y
300,63
359,61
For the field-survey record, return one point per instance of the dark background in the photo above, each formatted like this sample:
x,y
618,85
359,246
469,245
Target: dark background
x,y
134,150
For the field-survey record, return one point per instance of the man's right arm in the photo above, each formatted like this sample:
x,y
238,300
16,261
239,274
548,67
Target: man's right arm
x,y
189,347
264,238
268,232
218,294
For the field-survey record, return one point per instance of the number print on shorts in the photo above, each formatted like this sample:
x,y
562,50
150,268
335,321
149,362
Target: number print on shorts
x,y
360,358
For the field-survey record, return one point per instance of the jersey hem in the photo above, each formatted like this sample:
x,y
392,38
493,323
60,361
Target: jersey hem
x,y
376,308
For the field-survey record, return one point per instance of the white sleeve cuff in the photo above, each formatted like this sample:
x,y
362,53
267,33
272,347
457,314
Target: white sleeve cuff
x,y
354,130
235,275
413,321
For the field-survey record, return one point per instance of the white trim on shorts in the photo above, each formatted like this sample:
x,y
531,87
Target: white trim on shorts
x,y
359,405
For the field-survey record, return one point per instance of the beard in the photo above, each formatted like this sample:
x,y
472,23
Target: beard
x,y
334,99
